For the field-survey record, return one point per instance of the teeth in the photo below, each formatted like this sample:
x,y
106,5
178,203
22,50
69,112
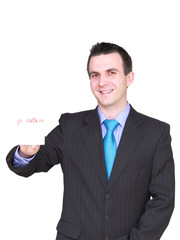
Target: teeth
x,y
106,91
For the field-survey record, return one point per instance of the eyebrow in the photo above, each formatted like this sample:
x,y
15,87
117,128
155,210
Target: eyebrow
x,y
112,69
108,70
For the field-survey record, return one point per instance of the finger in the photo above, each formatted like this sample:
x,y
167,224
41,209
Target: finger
x,y
34,146
34,149
27,151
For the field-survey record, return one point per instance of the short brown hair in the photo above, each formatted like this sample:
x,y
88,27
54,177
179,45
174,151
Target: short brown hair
x,y
106,48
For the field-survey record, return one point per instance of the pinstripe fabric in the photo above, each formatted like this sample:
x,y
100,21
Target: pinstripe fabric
x,y
121,208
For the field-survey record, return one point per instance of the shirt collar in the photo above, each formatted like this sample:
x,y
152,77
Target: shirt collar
x,y
121,117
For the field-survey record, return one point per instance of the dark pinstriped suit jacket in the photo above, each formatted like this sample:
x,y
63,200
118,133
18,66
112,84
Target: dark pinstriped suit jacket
x,y
138,200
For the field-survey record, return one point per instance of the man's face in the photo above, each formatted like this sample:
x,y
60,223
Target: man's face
x,y
108,81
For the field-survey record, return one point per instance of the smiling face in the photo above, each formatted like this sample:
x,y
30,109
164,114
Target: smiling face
x,y
109,83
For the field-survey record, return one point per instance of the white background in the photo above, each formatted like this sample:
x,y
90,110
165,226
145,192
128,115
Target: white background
x,y
44,47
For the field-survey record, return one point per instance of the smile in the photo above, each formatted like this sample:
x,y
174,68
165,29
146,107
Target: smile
x,y
105,92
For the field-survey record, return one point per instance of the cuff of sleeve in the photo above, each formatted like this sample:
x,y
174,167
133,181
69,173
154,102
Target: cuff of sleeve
x,y
20,161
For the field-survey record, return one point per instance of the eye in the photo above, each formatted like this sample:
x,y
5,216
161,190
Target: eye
x,y
112,73
94,75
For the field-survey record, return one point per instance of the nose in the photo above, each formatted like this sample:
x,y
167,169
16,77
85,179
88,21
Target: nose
x,y
102,80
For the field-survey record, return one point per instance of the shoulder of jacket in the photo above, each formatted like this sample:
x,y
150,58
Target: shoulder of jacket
x,y
151,121
74,117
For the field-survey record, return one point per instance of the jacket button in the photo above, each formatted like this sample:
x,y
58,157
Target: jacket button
x,y
107,196
106,238
106,217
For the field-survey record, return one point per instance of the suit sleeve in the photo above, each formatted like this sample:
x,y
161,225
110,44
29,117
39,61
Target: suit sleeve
x,y
159,208
49,154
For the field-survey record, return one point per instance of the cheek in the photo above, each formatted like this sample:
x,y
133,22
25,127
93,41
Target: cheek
x,y
115,83
120,83
92,85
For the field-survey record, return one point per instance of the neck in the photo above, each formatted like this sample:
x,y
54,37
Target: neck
x,y
111,112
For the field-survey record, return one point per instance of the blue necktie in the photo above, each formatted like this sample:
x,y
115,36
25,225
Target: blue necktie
x,y
109,145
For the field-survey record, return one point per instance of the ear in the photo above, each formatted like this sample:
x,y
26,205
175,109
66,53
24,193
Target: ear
x,y
130,78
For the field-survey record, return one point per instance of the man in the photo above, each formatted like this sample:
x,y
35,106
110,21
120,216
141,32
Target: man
x,y
117,163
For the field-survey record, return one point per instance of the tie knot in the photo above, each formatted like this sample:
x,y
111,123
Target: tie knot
x,y
111,124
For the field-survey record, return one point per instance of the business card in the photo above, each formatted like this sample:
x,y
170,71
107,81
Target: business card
x,y
31,133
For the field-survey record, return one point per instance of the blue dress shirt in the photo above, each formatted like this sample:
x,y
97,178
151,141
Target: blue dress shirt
x,y
121,118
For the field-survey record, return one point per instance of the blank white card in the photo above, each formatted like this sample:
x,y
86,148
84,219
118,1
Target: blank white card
x,y
31,133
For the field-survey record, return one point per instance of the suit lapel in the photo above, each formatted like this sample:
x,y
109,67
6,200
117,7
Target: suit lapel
x,y
93,140
131,137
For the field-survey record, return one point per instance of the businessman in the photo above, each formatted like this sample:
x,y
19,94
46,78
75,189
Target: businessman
x,y
117,163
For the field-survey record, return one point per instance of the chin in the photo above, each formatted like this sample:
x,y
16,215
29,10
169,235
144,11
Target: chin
x,y
105,104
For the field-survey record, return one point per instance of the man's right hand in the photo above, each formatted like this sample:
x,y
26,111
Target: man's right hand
x,y
27,151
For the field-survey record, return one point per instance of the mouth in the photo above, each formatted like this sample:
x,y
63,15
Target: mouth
x,y
106,92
